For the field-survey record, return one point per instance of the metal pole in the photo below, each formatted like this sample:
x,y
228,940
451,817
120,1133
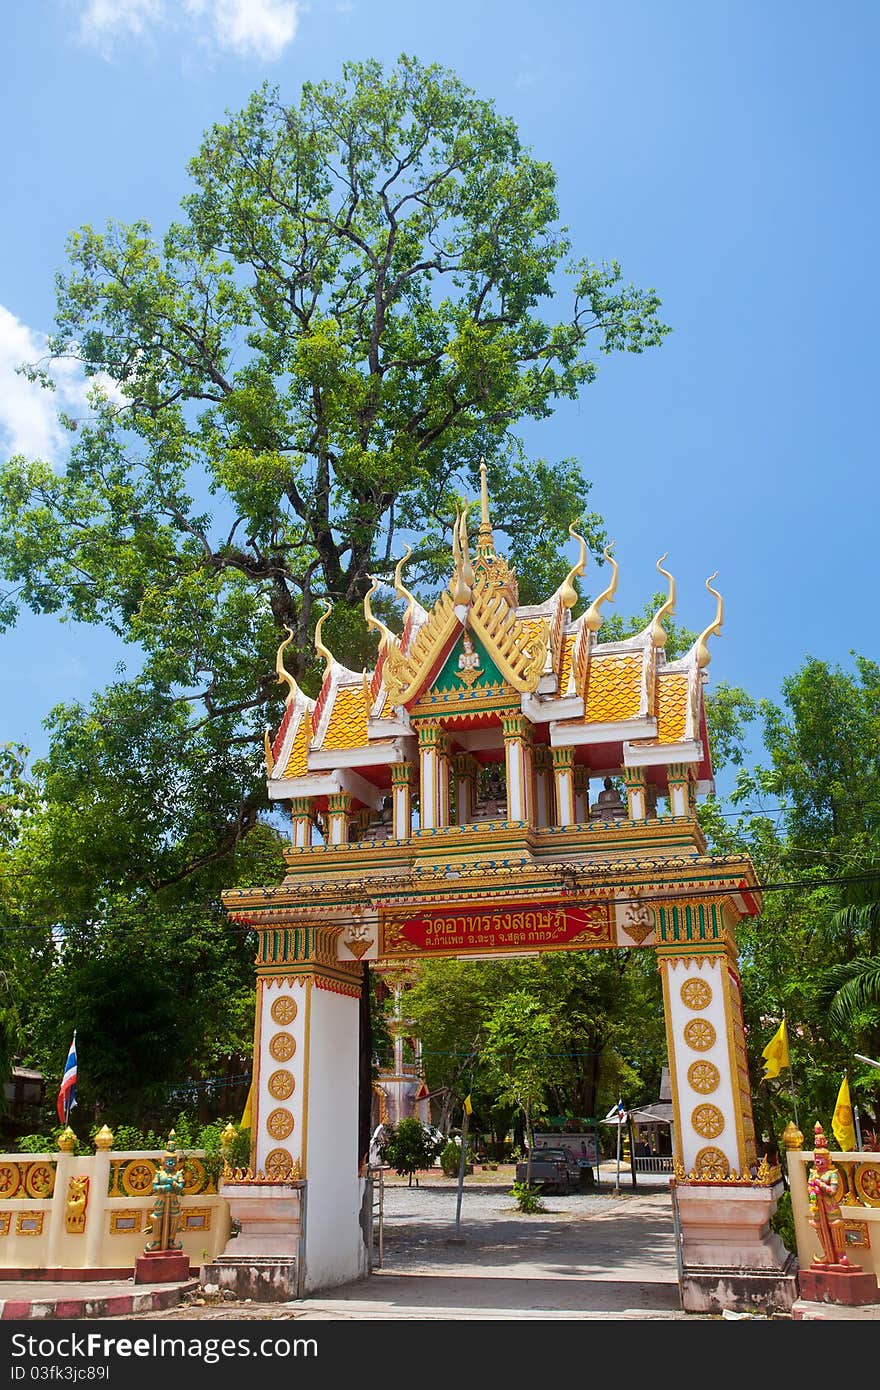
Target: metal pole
x,y
858,1127
617,1178
461,1167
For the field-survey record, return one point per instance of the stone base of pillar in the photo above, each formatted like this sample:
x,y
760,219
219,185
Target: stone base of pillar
x,y
847,1284
161,1267
739,1290
730,1258
262,1279
264,1260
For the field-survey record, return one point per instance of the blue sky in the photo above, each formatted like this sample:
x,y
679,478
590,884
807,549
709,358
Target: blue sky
x,y
724,153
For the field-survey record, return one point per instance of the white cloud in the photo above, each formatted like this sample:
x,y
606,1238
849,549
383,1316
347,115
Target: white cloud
x,y
249,28
28,412
104,21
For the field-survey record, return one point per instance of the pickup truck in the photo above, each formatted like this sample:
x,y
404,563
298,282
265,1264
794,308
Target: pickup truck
x,y
551,1169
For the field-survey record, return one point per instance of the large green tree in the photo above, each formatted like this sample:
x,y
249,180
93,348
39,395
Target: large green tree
x,y
367,291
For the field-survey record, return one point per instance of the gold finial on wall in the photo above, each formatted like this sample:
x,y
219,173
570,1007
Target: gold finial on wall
x,y
319,645
659,636
592,617
704,656
567,591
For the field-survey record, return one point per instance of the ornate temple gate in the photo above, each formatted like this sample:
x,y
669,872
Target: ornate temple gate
x,y
523,862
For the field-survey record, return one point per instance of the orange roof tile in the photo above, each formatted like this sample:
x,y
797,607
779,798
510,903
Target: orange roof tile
x,y
296,763
672,699
348,720
615,689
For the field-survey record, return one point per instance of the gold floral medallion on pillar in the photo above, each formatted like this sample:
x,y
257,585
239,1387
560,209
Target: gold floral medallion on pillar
x,y
703,1077
700,1034
281,1084
696,994
284,1010
711,1163
281,1166
279,1123
282,1047
707,1120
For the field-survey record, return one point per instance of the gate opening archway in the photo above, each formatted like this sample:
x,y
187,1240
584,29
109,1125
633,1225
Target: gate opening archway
x,y
453,787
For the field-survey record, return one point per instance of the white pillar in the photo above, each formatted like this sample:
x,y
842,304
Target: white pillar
x,y
563,776
401,791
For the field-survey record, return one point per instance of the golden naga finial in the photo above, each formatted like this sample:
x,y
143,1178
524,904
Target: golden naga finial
x,y
592,617
567,592
401,591
485,539
385,633
283,674
704,656
319,645
659,635
270,756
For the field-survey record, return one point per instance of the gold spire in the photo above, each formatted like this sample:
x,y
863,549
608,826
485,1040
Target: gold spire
x,y
385,634
485,539
704,656
401,591
281,671
567,592
658,634
592,617
319,645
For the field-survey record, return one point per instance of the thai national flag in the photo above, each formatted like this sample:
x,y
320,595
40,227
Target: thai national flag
x,y
67,1093
621,1113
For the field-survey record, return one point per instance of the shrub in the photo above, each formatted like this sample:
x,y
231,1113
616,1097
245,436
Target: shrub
x,y
450,1159
528,1197
782,1222
409,1146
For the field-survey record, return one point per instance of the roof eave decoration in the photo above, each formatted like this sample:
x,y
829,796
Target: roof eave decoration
x,y
704,656
294,701
406,673
589,625
518,650
659,635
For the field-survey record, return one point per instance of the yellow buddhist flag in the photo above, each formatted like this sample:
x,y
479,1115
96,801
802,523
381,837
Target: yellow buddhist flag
x,y
468,1108
247,1115
776,1053
842,1119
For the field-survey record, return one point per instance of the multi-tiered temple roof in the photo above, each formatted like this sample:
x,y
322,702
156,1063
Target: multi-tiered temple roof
x,y
478,656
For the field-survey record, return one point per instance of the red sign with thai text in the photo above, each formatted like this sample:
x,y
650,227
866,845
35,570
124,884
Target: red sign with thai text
x,y
482,927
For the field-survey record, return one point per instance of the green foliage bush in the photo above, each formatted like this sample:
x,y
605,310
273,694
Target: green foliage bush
x,y
528,1197
782,1222
450,1159
409,1146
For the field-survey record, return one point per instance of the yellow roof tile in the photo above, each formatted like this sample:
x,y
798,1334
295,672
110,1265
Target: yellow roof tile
x,y
615,689
348,719
565,665
672,698
296,763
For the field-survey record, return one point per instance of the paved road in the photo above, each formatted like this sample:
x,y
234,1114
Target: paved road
x,y
588,1256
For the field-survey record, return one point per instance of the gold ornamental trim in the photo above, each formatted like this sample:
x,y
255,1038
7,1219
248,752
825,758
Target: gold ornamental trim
x,y
867,1183
39,1180
707,1120
281,1084
285,1175
10,1179
283,1010
696,994
29,1223
712,1163
137,1177
195,1219
5,1222
703,1077
282,1046
279,1123
279,1164
127,1221
700,1034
